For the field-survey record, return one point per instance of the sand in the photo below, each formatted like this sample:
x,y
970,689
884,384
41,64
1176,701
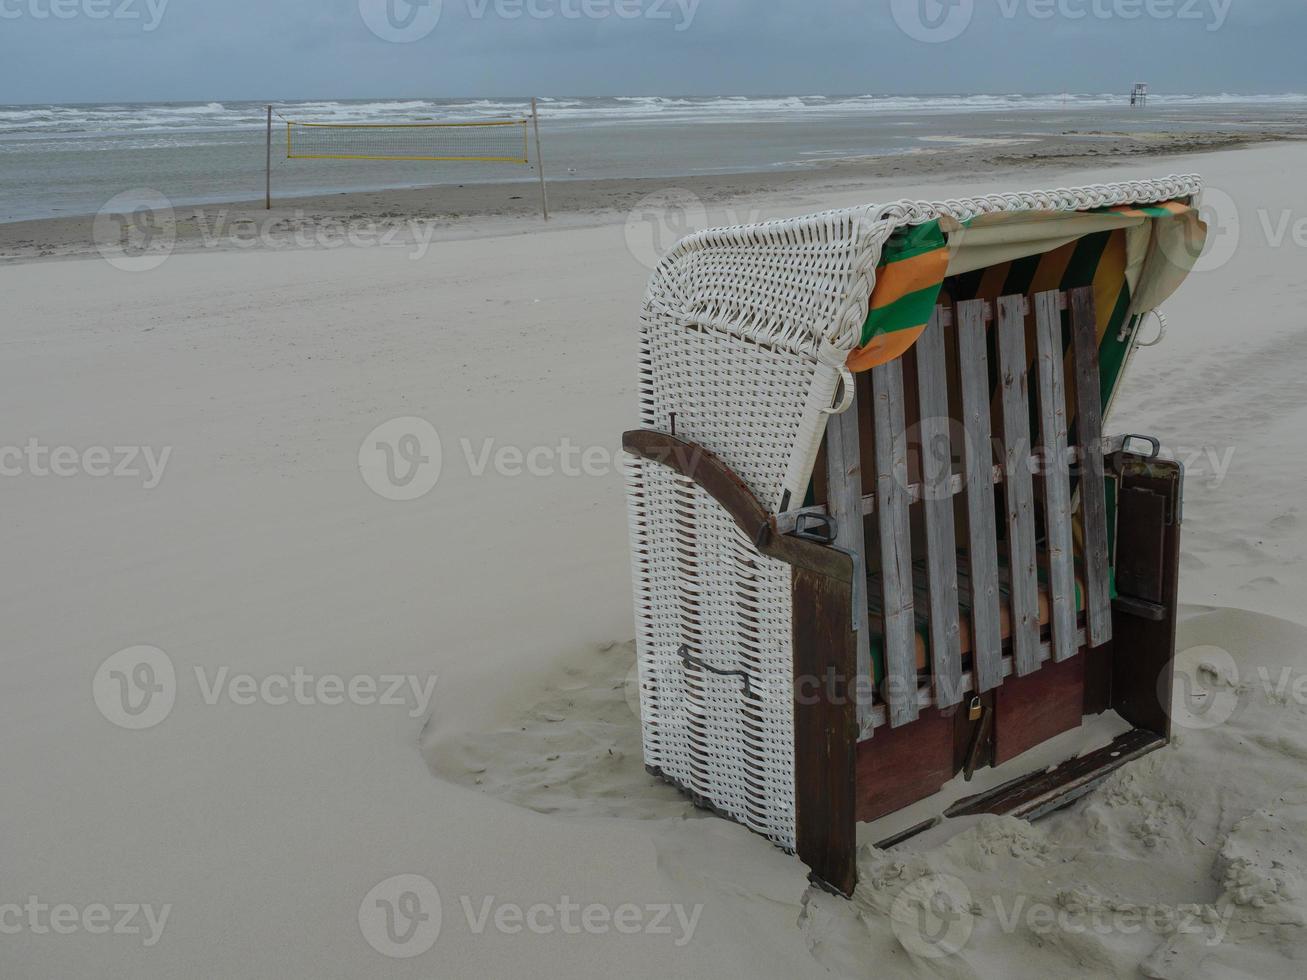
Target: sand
x,y
255,375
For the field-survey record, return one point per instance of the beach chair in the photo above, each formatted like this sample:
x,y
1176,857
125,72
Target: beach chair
x,y
880,540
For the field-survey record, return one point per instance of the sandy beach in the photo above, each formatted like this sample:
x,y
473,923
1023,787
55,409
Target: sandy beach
x,y
369,686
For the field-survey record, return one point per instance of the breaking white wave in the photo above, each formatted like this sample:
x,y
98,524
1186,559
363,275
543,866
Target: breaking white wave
x,y
119,119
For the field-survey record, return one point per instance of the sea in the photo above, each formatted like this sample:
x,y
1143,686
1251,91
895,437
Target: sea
x,y
73,159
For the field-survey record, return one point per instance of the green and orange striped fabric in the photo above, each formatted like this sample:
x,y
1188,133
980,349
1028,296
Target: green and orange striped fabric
x,y
914,265
908,279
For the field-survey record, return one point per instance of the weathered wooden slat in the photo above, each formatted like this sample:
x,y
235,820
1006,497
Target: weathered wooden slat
x,y
1056,474
986,624
895,543
1093,498
844,480
1019,493
941,536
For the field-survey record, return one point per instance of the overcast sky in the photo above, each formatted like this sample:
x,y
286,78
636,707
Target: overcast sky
x,y
146,50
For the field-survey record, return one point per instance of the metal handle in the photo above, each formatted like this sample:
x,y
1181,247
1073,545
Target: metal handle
x,y
1154,444
816,527
693,661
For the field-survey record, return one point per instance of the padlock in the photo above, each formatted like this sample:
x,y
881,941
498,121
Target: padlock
x,y
975,711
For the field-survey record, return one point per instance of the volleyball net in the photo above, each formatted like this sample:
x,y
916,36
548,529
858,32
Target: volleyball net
x,y
493,141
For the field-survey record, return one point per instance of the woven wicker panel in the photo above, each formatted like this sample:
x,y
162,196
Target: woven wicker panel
x,y
700,585
703,590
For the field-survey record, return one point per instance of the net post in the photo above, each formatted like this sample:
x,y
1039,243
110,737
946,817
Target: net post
x,y
267,186
540,163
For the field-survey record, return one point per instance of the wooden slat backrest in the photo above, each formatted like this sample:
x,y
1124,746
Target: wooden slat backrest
x,y
844,489
998,572
973,363
1018,493
895,543
1093,502
937,503
1056,475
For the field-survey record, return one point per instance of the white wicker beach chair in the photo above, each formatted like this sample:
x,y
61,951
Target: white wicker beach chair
x,y
878,536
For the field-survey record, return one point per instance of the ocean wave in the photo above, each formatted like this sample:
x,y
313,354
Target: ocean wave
x,y
202,117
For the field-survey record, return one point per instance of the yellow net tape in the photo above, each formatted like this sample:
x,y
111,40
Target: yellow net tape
x,y
496,141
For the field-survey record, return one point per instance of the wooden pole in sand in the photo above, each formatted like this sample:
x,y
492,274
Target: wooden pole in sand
x,y
540,163
267,186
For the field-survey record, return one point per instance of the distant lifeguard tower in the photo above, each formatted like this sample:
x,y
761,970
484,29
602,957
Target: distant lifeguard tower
x,y
1139,95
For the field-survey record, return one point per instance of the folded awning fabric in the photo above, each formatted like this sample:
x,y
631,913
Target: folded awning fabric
x,y
1161,244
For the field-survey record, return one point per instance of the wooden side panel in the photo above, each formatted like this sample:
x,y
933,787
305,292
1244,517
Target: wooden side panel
x,y
986,623
895,544
1031,710
904,765
844,489
1143,650
1019,495
937,497
1089,428
825,728
1141,531
1056,475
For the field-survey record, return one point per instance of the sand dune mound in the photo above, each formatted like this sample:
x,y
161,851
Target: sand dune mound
x,y
574,750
